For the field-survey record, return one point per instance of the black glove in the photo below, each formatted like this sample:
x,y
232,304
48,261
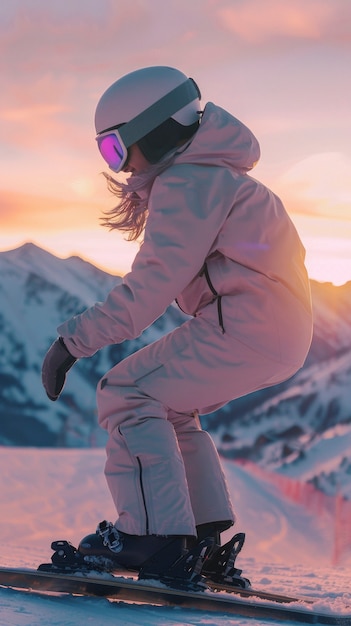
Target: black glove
x,y
56,364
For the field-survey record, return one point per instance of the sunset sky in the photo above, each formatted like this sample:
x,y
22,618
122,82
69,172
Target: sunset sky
x,y
281,66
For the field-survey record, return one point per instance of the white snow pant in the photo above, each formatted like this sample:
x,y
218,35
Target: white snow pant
x,y
163,471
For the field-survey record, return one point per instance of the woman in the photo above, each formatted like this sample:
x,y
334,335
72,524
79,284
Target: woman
x,y
223,246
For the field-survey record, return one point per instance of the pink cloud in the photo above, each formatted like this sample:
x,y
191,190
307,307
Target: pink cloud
x,y
41,108
68,37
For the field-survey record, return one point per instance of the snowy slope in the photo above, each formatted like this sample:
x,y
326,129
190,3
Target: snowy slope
x,y
55,494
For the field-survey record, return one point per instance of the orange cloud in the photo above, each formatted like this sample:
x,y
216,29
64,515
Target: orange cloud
x,y
258,22
319,185
20,211
37,111
26,113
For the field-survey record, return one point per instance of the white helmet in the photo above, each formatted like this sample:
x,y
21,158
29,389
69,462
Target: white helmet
x,y
138,103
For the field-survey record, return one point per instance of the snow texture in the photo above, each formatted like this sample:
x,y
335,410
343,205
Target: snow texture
x,y
48,494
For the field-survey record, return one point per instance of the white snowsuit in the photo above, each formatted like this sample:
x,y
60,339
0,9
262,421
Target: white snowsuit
x,y
223,245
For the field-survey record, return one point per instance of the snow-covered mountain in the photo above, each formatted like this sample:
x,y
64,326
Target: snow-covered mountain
x,y
303,431
38,291
301,428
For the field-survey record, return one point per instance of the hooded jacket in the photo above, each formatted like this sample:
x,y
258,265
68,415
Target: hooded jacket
x,y
214,237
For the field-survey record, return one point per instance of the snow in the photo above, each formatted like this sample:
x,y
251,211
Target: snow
x,y
73,276
48,494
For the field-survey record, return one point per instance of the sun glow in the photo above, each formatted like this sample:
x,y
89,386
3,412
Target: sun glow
x,y
282,73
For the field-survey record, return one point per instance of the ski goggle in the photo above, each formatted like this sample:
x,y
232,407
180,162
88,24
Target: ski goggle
x,y
114,142
112,149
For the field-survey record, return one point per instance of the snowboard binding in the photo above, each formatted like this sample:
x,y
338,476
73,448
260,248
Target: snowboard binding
x,y
205,561
220,566
67,559
185,572
179,572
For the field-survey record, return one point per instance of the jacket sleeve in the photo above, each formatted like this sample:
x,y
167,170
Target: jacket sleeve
x,y
187,207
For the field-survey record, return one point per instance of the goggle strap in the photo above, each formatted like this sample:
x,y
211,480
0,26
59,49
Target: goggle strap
x,y
158,112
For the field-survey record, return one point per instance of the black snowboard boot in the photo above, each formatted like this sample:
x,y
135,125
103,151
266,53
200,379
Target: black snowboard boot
x,y
163,558
129,551
213,529
166,559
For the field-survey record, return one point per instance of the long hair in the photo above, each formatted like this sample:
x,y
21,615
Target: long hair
x,y
130,214
159,147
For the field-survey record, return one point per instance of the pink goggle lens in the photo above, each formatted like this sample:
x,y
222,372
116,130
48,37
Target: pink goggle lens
x,y
112,151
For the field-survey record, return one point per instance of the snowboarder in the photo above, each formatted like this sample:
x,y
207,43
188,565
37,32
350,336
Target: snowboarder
x,y
222,245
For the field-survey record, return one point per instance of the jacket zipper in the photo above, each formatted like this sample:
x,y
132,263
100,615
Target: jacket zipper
x,y
217,298
143,494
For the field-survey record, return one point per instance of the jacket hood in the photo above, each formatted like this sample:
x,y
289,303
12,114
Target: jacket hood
x,y
222,140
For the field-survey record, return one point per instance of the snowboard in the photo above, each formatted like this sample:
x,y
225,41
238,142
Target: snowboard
x,y
234,601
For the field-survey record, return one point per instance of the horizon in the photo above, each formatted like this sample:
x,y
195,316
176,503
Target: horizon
x,y
116,273
282,72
